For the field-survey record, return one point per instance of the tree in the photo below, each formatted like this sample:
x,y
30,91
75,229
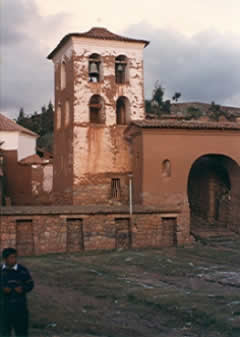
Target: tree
x,y
215,111
21,117
40,123
176,96
193,113
158,105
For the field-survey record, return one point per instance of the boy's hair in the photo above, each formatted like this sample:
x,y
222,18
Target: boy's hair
x,y
8,251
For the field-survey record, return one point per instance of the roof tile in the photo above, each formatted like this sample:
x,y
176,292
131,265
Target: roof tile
x,y
96,33
34,160
7,124
183,124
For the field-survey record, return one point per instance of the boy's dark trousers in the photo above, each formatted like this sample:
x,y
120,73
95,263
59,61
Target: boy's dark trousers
x,y
14,319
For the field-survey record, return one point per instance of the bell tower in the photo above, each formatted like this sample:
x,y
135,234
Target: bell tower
x,y
99,89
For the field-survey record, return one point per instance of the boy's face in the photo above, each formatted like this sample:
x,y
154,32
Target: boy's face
x,y
11,260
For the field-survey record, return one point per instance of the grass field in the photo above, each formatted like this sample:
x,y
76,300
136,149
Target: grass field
x,y
179,292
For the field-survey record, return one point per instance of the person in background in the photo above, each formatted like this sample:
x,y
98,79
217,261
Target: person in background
x,y
15,283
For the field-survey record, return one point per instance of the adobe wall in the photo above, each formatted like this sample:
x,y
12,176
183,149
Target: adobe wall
x,y
36,231
182,148
100,154
63,134
18,179
27,184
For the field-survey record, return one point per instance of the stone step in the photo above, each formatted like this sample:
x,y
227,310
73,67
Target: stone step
x,y
213,233
217,237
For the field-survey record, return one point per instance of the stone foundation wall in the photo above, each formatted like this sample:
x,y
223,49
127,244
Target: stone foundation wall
x,y
97,189
42,230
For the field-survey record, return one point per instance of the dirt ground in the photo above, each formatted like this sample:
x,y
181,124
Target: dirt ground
x,y
183,292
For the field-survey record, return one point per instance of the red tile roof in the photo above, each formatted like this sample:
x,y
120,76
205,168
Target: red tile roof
x,y
7,124
34,160
183,124
96,33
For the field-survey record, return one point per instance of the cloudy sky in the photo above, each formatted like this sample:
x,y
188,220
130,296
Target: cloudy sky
x,y
195,45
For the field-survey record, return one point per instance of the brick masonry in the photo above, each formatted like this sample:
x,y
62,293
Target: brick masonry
x,y
58,230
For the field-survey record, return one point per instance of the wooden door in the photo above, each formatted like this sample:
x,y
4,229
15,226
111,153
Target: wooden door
x,y
24,237
123,233
75,238
169,232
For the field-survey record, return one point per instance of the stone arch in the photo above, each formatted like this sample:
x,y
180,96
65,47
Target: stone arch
x,y
213,191
122,111
97,110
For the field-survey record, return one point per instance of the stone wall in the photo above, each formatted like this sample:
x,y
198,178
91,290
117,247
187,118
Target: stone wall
x,y
42,230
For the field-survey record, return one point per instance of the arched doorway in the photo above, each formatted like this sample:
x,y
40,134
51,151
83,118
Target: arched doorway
x,y
212,192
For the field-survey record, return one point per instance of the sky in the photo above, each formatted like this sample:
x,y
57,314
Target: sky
x,y
194,49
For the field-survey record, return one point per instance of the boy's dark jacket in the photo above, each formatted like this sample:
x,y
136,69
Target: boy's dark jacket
x,y
10,278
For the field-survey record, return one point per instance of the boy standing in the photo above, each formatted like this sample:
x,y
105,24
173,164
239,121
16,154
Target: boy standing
x,y
15,282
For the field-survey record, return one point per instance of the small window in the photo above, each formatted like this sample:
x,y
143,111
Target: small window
x,y
116,189
96,110
166,168
67,113
121,69
63,75
95,68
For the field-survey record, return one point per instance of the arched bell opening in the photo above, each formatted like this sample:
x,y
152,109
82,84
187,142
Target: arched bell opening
x,y
95,70
96,110
122,111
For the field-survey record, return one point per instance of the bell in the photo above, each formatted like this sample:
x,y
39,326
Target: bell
x,y
93,68
120,68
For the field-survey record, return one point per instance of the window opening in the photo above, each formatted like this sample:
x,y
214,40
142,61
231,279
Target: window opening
x,y
166,168
116,188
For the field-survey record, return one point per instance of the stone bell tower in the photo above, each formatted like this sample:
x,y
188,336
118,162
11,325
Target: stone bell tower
x,y
99,89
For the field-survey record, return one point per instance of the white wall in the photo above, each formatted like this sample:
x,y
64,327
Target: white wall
x,y
10,140
26,146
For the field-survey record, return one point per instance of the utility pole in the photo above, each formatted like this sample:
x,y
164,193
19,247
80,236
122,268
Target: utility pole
x,y
130,194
